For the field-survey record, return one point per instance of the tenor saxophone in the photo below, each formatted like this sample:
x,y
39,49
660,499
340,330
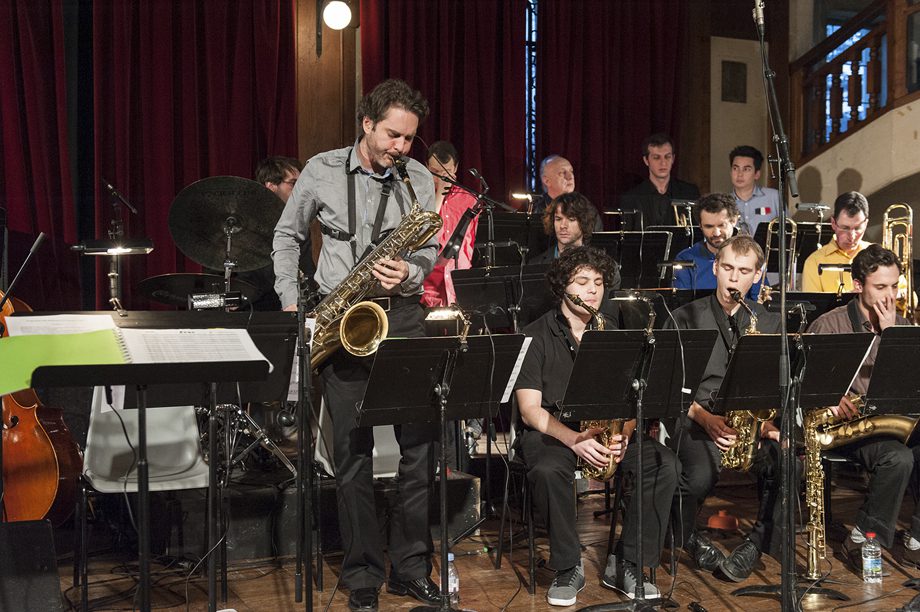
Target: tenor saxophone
x,y
740,455
609,428
342,317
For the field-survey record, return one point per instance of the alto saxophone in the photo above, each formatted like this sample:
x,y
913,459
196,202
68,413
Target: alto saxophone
x,y
740,456
342,318
610,428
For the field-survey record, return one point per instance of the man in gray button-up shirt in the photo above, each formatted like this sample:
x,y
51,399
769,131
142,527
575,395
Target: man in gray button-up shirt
x,y
363,178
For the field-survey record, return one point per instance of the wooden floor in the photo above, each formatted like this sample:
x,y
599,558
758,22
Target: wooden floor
x,y
269,585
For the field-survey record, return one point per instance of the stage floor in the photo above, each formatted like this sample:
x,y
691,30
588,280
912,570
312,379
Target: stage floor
x,y
267,585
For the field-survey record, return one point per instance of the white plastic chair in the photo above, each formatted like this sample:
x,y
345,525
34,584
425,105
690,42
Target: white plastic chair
x,y
174,458
386,449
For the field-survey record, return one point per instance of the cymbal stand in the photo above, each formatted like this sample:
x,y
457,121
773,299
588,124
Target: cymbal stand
x,y
116,234
231,226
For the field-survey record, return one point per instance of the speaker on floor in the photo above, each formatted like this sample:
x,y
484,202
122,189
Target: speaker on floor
x,y
29,580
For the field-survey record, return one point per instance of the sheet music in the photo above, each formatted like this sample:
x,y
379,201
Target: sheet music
x,y
190,345
517,369
58,324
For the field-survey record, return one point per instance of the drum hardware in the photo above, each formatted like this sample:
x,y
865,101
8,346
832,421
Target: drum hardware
x,y
175,289
237,423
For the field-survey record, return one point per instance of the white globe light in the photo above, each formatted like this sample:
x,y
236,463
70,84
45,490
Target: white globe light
x,y
337,15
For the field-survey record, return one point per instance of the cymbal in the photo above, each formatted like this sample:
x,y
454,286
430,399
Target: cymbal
x,y
202,212
174,289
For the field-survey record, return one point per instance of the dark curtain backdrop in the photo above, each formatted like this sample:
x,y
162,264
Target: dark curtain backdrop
x,y
467,58
607,77
35,177
185,90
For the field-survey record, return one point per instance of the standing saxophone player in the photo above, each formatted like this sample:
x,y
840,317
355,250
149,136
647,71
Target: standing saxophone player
x,y
875,271
551,448
701,436
357,197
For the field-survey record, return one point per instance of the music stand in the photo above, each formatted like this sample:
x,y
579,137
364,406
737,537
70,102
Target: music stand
x,y
638,254
459,378
507,297
815,304
682,237
825,366
894,388
140,375
621,366
517,237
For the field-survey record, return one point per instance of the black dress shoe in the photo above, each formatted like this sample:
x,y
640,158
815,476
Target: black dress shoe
x,y
704,552
739,565
363,599
423,589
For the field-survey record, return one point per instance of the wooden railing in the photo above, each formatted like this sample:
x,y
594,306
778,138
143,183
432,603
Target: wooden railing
x,y
854,87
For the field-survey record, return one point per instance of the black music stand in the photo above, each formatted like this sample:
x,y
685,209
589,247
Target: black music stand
x,y
518,236
638,254
815,304
140,376
834,360
681,237
612,372
441,379
894,386
507,297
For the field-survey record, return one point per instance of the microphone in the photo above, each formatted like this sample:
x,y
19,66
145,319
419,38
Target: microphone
x,y
452,246
758,15
115,193
478,177
812,206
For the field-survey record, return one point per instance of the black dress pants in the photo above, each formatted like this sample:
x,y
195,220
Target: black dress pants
x,y
344,381
551,473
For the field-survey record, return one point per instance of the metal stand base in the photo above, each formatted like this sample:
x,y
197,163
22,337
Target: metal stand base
x,y
800,591
642,605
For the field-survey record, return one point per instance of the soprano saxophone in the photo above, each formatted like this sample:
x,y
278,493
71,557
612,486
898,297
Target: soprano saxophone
x,y
740,456
610,428
342,317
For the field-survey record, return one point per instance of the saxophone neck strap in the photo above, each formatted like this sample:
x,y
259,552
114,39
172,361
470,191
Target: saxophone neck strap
x,y
353,211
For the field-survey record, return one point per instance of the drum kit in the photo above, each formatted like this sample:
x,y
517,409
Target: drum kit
x,y
222,223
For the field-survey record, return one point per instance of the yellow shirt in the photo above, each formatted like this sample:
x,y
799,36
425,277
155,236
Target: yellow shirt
x,y
828,282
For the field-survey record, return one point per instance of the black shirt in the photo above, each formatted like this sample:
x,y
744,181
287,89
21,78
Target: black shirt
x,y
655,208
549,359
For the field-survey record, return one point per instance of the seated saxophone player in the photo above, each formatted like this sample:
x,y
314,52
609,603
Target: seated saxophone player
x,y
551,448
699,436
357,196
888,460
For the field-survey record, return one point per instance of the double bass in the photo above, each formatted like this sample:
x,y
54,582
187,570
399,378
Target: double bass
x,y
41,461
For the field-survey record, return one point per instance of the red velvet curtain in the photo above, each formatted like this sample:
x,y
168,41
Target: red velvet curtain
x,y
183,90
467,58
607,77
35,175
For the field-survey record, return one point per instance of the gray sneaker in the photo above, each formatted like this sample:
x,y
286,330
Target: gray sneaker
x,y
623,576
566,586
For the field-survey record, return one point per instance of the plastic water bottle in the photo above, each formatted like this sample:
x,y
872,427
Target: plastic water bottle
x,y
872,559
453,580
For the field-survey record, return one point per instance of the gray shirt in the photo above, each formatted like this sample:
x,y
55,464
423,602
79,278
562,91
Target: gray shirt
x,y
322,191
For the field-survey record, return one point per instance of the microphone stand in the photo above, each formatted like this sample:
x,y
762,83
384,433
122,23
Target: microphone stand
x,y
304,458
116,233
786,176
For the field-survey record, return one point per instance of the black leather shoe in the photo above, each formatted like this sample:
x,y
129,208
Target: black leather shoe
x,y
739,565
423,589
704,552
363,599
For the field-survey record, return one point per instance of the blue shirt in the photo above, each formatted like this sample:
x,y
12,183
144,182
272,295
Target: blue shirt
x,y
702,276
761,208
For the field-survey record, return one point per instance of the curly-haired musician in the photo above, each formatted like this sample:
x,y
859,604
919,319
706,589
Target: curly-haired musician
x,y
551,448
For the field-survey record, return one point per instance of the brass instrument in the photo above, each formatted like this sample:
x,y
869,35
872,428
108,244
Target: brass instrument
x,y
898,237
610,428
824,431
740,456
342,318
765,289
683,212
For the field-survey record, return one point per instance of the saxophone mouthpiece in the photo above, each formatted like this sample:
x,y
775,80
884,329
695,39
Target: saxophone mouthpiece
x,y
736,295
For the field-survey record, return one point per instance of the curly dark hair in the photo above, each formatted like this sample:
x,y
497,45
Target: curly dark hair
x,y
273,169
571,260
574,206
872,258
388,94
